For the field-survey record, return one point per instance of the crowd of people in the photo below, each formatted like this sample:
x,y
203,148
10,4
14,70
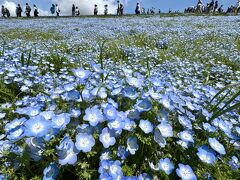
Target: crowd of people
x,y
6,13
211,7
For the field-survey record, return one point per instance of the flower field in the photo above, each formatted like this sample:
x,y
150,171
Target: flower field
x,y
120,98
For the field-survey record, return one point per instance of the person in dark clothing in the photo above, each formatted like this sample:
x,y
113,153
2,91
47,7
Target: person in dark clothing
x,y
52,9
106,10
28,10
95,10
216,6
7,12
73,10
121,9
138,9
35,10
3,11
19,11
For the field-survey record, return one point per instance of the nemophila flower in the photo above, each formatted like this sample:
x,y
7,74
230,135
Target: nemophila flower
x,y
33,111
2,115
166,129
93,116
167,102
133,114
110,112
51,172
81,74
100,92
146,126
16,133
107,138
132,145
35,148
185,172
143,105
186,136
14,124
207,127
122,152
184,144
71,96
75,113
217,146
130,92
158,138
117,124
67,152
47,114
234,163
129,125
87,95
60,121
37,126
136,82
84,142
185,122
96,67
106,155
144,176
115,170
206,155
69,87
4,177
166,165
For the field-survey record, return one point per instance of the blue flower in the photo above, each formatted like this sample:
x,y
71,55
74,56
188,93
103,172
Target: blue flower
x,y
122,152
185,172
166,165
186,136
136,82
115,170
206,155
16,133
35,148
132,145
110,112
217,146
158,138
84,142
67,152
81,74
146,126
106,138
234,163
130,92
37,126
143,105
166,129
60,121
50,172
93,116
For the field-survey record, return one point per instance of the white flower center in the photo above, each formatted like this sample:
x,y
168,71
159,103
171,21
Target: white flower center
x,y
37,127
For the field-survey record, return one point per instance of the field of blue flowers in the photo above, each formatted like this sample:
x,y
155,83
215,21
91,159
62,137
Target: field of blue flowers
x,y
132,98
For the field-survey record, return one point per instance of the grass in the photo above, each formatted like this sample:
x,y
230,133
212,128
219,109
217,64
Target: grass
x,y
31,35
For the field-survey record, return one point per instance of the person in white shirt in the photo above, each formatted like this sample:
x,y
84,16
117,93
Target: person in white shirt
x,y
77,12
57,10
138,9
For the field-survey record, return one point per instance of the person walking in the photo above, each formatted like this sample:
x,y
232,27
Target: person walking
x,y
3,11
73,10
121,9
77,12
57,10
95,10
28,10
138,9
106,10
35,11
19,11
118,8
237,8
52,9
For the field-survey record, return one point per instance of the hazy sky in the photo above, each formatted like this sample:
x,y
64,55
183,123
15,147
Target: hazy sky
x,y
86,6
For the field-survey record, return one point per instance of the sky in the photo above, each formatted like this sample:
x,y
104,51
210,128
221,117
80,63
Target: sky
x,y
86,6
